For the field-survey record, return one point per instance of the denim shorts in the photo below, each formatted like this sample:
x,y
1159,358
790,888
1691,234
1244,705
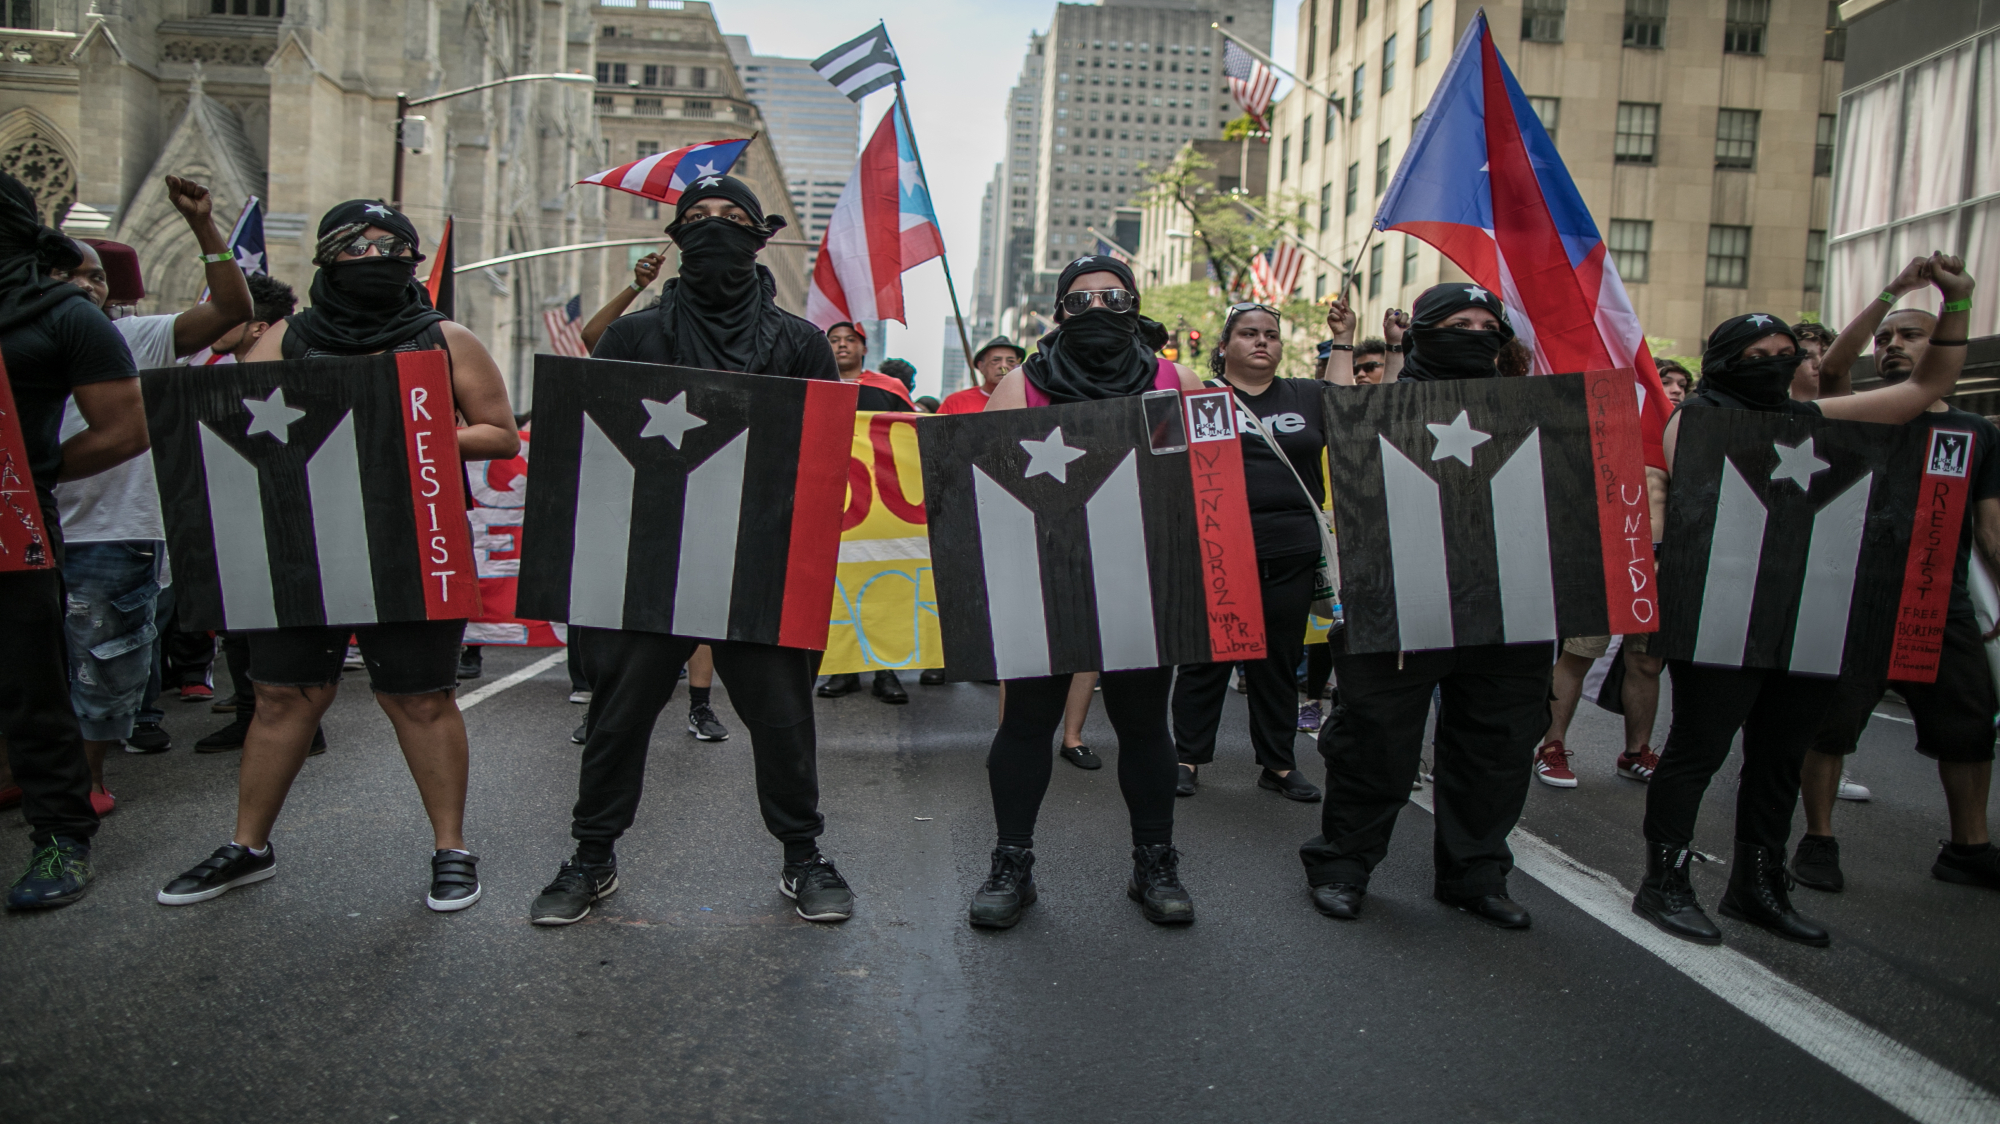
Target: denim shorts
x,y
109,623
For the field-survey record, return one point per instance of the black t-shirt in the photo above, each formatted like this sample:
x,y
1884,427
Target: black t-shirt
x,y
73,344
1281,517
1984,484
801,351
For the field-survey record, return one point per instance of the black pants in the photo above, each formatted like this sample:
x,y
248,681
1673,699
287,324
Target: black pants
x,y
1019,764
1273,681
236,656
44,742
632,675
1495,708
1319,669
1779,715
189,657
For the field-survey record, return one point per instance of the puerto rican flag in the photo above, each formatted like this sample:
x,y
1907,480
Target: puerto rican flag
x,y
1482,182
883,225
664,175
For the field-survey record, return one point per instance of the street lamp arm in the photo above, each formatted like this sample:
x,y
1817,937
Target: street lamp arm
x,y
579,78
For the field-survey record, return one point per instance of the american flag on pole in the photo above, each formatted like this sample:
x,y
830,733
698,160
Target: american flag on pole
x,y
1251,83
861,65
564,338
1274,275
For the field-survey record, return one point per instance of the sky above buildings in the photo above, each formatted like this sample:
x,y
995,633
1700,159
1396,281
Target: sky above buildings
x,y
960,58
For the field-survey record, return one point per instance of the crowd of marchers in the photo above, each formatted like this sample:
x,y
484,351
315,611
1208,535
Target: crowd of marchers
x,y
89,646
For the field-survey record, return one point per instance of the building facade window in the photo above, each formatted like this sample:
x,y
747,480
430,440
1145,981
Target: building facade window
x,y
1542,20
1360,13
1729,257
1353,188
1325,205
1645,21
697,109
1745,26
647,107
1381,168
1284,159
698,77
1410,259
1829,125
1637,140
1360,88
1815,260
1375,270
1332,115
1424,18
1388,64
21,13
1631,246
1305,140
1736,138
1836,34
1549,112
650,76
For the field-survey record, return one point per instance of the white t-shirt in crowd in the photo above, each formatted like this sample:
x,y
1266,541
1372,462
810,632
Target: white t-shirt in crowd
x,y
122,502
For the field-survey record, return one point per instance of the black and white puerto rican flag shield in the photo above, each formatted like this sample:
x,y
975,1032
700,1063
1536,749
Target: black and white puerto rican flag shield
x,y
1788,542
1091,536
1489,511
675,500
312,492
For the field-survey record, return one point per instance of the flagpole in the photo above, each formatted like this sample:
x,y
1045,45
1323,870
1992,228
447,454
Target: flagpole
x,y
1354,274
964,341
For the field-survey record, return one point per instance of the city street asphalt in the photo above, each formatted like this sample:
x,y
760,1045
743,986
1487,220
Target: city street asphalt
x,y
329,993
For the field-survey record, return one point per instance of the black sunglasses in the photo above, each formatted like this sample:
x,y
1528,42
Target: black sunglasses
x,y
1116,300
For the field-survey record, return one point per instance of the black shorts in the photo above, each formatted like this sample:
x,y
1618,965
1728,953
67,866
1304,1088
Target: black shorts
x,y
1954,716
404,658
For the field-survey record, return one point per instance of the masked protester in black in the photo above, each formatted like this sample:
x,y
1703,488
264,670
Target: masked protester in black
x,y
719,313
56,344
1493,711
1748,365
365,300
1101,348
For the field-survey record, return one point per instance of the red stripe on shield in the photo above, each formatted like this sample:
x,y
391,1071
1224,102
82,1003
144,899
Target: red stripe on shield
x,y
1229,581
1624,511
1919,639
437,486
825,446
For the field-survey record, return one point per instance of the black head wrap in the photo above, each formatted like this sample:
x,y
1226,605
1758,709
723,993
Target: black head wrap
x,y
1100,353
721,312
1433,352
28,251
1760,382
369,304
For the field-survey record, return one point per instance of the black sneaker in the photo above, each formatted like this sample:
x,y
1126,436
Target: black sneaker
x,y
1816,864
454,881
229,737
581,732
471,662
932,677
1291,786
1981,868
1081,757
58,873
819,889
1008,889
1185,784
318,745
1156,885
705,726
229,867
147,737
577,887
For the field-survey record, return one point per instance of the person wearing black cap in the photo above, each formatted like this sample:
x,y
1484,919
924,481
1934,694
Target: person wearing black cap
x,y
1101,348
993,362
1748,364
1494,702
1280,432
720,314
365,300
57,345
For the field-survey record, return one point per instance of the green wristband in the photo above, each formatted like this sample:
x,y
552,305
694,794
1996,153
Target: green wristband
x,y
1959,305
1887,297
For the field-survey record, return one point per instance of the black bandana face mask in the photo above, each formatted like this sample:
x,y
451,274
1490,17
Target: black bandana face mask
x,y
1457,353
1760,381
719,256
371,282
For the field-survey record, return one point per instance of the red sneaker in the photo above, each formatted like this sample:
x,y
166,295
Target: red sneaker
x,y
197,692
102,802
1639,766
10,796
1552,766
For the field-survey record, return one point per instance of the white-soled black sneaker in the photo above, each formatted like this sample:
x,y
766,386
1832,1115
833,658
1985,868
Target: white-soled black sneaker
x,y
705,726
229,867
819,890
454,881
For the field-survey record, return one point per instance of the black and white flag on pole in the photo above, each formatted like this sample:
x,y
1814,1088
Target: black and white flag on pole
x,y
312,492
861,65
696,503
1489,511
1787,540
1064,542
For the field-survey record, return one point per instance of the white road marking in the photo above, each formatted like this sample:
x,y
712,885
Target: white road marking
x,y
519,677
1893,718
1910,1082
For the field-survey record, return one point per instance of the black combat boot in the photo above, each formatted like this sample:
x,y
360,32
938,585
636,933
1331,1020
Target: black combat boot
x,y
1666,897
1759,892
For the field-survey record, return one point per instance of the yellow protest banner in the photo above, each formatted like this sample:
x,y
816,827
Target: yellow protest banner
x,y
884,603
